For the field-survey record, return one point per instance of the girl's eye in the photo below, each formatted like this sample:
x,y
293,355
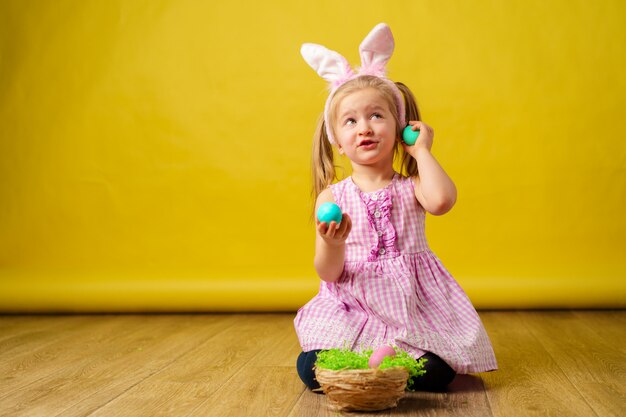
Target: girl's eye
x,y
377,116
350,121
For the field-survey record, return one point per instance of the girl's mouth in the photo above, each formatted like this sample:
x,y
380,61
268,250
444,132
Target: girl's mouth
x,y
367,144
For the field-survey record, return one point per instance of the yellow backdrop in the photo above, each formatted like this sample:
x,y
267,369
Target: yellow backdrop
x,y
154,155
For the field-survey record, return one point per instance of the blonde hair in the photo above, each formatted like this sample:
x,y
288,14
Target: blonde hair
x,y
323,163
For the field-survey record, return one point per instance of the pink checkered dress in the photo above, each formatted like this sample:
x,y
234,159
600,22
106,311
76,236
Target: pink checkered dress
x,y
393,289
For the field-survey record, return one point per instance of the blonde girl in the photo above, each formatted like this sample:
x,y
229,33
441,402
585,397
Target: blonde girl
x,y
380,282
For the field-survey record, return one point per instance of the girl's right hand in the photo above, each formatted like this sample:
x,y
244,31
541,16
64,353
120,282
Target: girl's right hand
x,y
424,140
335,234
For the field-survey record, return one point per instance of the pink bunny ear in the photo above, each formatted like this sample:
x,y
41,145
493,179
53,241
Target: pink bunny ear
x,y
376,50
330,65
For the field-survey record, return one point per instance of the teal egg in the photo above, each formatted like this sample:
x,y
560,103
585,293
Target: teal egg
x,y
409,135
329,212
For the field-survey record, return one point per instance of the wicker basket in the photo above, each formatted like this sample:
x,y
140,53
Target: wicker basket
x,y
363,389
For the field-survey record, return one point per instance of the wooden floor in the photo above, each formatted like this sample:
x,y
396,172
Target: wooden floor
x,y
558,363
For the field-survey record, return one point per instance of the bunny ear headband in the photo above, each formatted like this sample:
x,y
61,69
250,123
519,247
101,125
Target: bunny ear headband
x,y
375,50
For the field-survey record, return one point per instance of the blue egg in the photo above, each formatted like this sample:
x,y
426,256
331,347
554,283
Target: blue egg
x,y
329,212
409,135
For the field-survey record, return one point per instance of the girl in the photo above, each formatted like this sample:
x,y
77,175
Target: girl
x,y
381,284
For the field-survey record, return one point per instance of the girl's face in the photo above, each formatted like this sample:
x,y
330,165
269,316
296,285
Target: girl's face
x,y
365,129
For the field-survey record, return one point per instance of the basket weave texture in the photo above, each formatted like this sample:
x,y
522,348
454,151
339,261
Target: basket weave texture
x,y
363,389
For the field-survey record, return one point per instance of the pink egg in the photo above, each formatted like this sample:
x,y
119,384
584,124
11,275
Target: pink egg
x,y
379,354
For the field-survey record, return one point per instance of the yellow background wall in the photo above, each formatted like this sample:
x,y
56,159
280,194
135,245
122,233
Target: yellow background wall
x,y
154,155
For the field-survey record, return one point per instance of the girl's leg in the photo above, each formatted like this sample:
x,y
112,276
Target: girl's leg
x,y
305,364
437,377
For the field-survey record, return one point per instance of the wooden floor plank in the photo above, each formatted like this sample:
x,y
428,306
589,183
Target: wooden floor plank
x,y
594,366
199,375
283,349
109,365
311,404
270,392
529,382
118,380
465,396
608,324
22,335
271,367
10,323
560,363
42,353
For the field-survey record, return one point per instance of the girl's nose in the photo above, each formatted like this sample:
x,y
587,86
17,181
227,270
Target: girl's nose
x,y
365,129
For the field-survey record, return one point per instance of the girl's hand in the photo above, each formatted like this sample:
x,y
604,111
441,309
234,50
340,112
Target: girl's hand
x,y
335,234
424,140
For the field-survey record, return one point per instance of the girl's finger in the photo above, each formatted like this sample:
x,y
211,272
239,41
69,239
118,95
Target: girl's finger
x,y
342,225
332,229
341,228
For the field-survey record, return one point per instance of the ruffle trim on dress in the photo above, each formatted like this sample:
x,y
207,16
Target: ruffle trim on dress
x,y
379,205
328,334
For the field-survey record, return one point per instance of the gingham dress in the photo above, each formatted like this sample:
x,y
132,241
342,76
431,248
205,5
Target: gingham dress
x,y
393,289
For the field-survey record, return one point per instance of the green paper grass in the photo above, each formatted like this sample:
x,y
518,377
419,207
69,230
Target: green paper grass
x,y
342,359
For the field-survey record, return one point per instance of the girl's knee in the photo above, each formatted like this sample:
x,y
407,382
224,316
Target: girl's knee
x,y
304,364
437,377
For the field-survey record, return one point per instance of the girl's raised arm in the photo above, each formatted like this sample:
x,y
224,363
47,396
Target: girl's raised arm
x,y
434,189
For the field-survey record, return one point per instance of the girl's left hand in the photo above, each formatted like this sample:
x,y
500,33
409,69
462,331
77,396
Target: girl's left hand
x,y
424,140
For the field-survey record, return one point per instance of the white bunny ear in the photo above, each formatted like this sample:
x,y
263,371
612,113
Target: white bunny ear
x,y
376,50
330,65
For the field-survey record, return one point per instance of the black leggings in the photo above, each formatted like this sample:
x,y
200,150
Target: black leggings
x,y
437,377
